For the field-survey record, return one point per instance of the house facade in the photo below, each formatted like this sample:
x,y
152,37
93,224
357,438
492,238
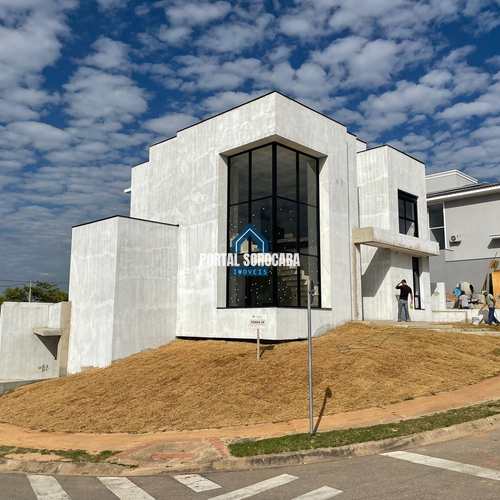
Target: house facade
x,y
463,217
356,217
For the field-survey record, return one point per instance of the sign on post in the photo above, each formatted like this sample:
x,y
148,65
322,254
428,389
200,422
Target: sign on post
x,y
257,324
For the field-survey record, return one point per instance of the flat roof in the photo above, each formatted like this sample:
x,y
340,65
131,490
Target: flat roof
x,y
250,101
395,149
124,217
454,171
465,190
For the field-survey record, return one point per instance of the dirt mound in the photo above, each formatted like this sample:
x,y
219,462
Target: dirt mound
x,y
208,383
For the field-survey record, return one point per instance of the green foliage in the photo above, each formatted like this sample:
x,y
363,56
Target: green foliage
x,y
40,292
343,437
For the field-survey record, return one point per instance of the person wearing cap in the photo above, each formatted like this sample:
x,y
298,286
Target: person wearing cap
x,y
490,302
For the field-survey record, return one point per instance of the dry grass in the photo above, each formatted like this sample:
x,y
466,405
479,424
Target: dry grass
x,y
202,384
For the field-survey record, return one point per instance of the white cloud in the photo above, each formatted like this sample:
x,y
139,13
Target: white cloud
x,y
111,4
210,73
40,135
308,80
383,112
486,104
196,13
225,100
96,95
174,35
293,25
235,36
170,123
109,54
356,61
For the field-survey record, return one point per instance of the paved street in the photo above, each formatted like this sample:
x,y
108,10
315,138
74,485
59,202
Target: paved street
x,y
464,469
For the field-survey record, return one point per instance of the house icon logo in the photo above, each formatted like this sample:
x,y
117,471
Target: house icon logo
x,y
250,234
254,238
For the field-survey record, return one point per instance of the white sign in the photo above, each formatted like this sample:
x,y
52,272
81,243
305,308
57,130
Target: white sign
x,y
257,322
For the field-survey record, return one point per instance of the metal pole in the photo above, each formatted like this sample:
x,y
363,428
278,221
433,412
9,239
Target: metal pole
x,y
258,344
29,293
309,358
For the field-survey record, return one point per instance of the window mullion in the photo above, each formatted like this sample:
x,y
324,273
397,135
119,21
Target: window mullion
x,y
249,220
297,205
274,271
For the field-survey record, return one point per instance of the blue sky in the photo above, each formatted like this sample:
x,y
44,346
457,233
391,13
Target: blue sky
x,y
86,86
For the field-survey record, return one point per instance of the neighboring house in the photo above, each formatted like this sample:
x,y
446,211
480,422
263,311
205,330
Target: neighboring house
x,y
464,218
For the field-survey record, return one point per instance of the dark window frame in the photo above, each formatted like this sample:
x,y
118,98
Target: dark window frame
x,y
442,228
417,298
408,198
274,201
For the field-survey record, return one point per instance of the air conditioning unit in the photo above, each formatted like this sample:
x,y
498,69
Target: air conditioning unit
x,y
455,238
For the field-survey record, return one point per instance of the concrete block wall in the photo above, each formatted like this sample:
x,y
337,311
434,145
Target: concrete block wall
x,y
123,287
24,355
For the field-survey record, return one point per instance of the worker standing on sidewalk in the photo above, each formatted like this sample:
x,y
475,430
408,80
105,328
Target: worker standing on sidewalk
x,y
404,293
490,302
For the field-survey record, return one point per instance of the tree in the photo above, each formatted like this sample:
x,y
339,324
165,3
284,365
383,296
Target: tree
x,y
40,292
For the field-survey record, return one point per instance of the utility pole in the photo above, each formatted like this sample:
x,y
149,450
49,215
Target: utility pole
x,y
29,293
310,291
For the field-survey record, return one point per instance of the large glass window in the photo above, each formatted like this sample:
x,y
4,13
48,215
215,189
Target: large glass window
x,y
436,224
275,188
408,223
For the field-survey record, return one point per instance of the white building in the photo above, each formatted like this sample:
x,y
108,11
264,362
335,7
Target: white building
x,y
357,217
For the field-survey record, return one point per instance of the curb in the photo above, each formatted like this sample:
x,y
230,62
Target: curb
x,y
63,468
359,449
259,461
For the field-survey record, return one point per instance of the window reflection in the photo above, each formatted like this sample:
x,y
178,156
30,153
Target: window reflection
x,y
275,189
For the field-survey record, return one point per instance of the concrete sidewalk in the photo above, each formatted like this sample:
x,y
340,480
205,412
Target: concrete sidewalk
x,y
198,448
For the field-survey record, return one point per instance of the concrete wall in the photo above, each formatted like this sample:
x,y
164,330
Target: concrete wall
x,y
381,173
123,285
24,355
185,182
461,315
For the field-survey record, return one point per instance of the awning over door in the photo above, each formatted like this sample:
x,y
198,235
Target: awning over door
x,y
383,238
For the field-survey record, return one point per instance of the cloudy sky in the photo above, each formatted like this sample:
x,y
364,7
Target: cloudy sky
x,y
86,85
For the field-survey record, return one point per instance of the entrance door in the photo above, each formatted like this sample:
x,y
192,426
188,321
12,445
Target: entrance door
x,y
416,282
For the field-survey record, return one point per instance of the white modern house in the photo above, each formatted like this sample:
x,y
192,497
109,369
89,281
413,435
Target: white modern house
x,y
356,217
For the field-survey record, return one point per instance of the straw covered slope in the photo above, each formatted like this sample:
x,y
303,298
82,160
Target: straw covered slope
x,y
202,384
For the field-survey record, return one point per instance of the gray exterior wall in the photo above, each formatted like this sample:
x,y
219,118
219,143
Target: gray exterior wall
x,y
474,271
475,219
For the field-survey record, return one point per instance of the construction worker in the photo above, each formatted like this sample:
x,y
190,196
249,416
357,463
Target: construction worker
x,y
490,302
404,293
457,292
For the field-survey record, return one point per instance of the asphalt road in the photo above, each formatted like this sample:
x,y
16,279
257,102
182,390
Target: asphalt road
x,y
464,469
